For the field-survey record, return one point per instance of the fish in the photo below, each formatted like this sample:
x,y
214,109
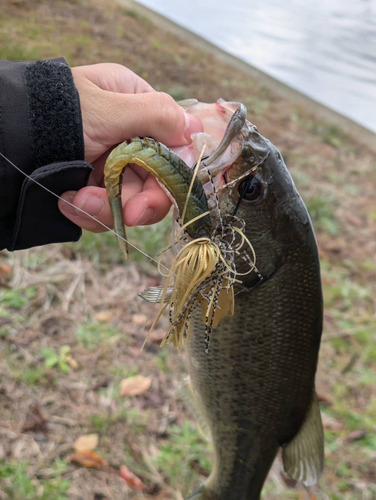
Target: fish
x,y
253,390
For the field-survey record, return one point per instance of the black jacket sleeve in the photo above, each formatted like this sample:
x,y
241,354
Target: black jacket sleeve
x,y
40,132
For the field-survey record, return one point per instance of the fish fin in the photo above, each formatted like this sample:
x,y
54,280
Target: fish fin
x,y
187,395
303,456
154,294
198,494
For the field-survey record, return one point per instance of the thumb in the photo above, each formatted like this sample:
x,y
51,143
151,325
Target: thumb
x,y
152,114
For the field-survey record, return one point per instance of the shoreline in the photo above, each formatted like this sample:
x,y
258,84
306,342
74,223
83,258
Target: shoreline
x,y
361,134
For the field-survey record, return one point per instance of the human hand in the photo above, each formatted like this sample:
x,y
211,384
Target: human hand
x,y
117,105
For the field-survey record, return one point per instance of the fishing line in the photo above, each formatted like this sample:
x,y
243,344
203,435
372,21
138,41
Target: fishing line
x,y
82,211
242,196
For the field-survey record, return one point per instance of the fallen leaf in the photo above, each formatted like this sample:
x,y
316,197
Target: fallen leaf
x,y
354,435
139,319
133,386
303,495
88,459
71,362
131,479
157,335
104,316
5,271
87,442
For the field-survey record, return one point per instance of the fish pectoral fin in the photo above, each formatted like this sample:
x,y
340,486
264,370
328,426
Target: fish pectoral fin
x,y
303,456
186,394
154,294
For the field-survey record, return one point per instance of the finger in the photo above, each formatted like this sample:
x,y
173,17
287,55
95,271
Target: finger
x,y
139,207
148,207
113,78
152,114
93,200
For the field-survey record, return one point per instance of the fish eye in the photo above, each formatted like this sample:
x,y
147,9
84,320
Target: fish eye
x,y
251,190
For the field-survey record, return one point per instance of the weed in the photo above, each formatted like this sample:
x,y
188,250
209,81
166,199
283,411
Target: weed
x,y
131,13
155,43
330,134
178,457
132,417
62,359
321,211
16,298
19,486
160,361
31,375
91,334
16,481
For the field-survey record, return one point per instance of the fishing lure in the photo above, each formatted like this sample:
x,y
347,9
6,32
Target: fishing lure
x,y
204,269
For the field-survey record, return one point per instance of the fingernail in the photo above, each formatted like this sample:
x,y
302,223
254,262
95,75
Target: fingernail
x,y
92,204
69,197
146,216
192,126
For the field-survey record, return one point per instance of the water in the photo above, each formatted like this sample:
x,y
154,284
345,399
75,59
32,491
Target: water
x,y
326,48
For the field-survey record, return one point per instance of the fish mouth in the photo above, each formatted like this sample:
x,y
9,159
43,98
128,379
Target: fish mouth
x,y
227,138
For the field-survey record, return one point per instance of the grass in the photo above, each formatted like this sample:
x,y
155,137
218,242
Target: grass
x,y
92,334
19,485
321,210
184,453
69,314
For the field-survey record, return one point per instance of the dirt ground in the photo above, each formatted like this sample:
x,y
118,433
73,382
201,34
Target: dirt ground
x,y
71,324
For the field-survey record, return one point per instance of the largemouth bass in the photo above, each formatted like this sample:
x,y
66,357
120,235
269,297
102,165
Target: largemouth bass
x,y
254,389
256,385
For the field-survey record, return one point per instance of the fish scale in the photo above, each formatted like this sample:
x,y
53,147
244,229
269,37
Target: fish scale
x,y
248,382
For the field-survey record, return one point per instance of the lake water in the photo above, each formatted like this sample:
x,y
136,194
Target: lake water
x,y
326,48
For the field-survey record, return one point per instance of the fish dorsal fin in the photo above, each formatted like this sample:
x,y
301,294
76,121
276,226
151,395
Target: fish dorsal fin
x,y
303,456
186,394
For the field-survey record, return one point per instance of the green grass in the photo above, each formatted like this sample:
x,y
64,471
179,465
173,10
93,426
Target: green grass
x,y
92,334
15,298
331,134
33,375
18,485
103,249
102,423
57,359
185,451
321,210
